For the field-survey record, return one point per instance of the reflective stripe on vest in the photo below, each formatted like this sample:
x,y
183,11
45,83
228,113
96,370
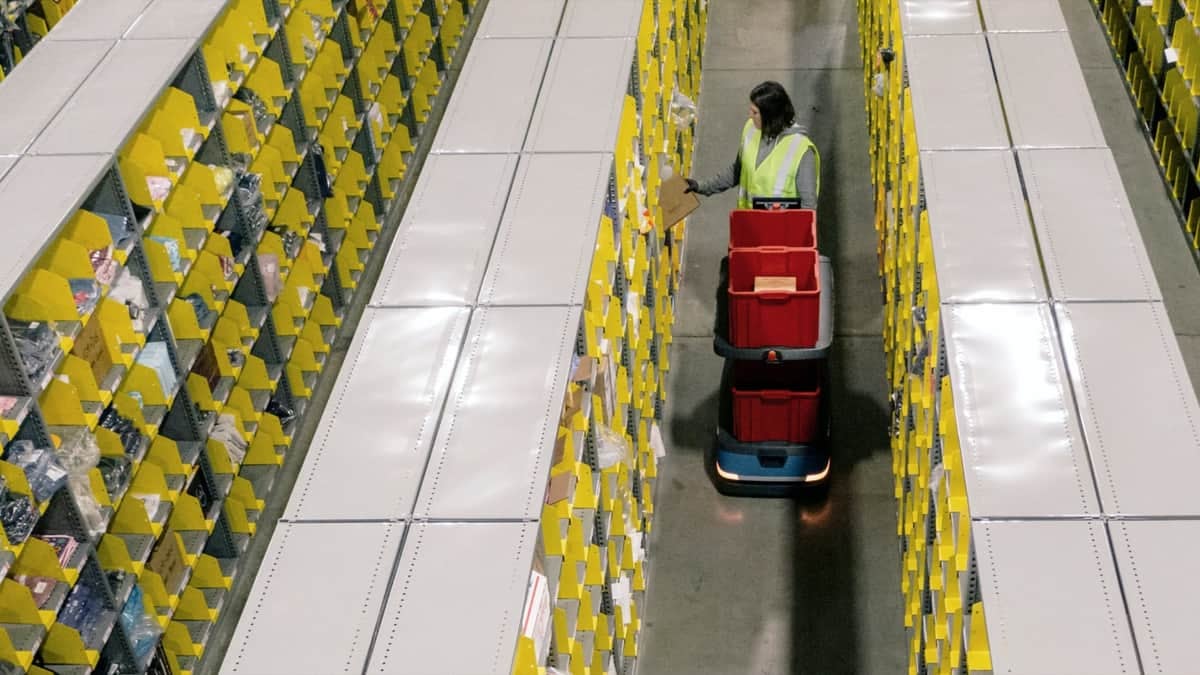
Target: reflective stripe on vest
x,y
776,176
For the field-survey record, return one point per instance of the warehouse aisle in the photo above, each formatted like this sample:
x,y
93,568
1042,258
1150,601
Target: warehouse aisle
x,y
773,586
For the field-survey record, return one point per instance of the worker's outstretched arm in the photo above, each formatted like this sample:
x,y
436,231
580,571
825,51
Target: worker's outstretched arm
x,y
722,181
806,181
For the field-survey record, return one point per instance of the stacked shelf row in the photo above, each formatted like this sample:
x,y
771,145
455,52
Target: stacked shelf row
x,y
191,192
1158,47
23,23
1042,426
503,466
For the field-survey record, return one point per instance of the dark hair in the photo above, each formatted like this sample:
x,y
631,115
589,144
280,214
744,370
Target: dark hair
x,y
775,107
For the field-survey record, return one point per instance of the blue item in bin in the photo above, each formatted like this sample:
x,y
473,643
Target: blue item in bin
x,y
45,475
84,611
173,254
156,356
120,227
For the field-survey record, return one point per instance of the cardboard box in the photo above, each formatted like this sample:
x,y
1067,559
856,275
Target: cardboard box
x,y
774,284
675,203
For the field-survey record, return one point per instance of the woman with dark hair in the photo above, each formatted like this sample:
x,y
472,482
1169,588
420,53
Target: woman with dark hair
x,y
776,159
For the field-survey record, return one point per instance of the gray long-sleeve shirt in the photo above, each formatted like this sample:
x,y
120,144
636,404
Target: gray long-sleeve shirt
x,y
806,176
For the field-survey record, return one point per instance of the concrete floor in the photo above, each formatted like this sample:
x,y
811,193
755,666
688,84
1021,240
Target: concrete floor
x,y
754,587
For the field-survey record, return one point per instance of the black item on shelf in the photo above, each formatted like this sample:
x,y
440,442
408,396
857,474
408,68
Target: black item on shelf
x,y
322,172
236,241
285,413
131,438
159,665
202,495
291,242
117,472
38,346
42,468
18,516
236,358
116,579
64,546
203,313
249,193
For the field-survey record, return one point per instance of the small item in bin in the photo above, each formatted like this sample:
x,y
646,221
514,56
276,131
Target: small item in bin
x,y
774,284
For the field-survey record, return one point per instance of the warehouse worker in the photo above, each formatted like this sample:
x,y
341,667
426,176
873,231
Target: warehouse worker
x,y
776,159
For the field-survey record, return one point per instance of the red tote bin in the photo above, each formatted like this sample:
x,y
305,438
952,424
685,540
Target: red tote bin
x,y
777,402
790,228
774,318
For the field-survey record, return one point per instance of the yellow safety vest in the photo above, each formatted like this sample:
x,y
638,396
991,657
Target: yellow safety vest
x,y
776,176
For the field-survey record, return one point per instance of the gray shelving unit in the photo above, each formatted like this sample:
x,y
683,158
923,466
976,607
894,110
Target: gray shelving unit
x,y
1073,413
1156,560
498,85
1023,16
55,70
344,569
491,459
367,461
579,107
1054,179
442,248
75,102
954,98
1038,466
1058,579
39,207
455,384
425,630
521,19
986,252
1046,100
1139,414
547,238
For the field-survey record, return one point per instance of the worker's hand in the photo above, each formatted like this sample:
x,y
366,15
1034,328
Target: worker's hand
x,y
693,186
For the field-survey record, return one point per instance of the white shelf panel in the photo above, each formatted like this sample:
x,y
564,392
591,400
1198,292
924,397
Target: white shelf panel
x,y
108,106
983,244
7,162
1157,561
177,19
39,195
34,93
371,446
316,599
441,250
98,20
1089,238
954,97
1020,16
493,100
455,606
520,19
579,109
612,19
491,459
1046,99
547,238
1022,449
1052,598
1141,431
938,17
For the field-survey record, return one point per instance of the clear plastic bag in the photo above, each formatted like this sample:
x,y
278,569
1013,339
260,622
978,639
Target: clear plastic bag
x,y
612,448
683,109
